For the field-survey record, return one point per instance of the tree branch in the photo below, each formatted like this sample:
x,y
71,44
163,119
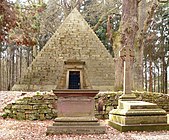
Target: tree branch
x,y
102,17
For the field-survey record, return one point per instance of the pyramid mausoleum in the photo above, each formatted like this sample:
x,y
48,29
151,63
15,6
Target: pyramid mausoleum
x,y
73,58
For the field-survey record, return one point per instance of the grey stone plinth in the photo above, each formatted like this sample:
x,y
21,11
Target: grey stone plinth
x,y
138,116
75,130
139,127
76,125
130,96
129,120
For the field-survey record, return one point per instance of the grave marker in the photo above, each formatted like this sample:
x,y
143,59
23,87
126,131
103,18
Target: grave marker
x,y
127,56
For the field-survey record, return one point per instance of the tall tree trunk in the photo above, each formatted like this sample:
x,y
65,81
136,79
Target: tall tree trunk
x,y
31,56
158,79
162,76
0,72
165,79
8,67
12,68
154,77
138,65
28,57
145,65
34,51
128,30
144,22
20,63
3,74
150,79
119,73
16,65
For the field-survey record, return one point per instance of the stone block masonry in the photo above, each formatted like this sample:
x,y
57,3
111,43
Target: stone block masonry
x,y
41,107
74,40
38,107
110,101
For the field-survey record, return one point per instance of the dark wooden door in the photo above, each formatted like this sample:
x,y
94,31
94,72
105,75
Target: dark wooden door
x,y
74,79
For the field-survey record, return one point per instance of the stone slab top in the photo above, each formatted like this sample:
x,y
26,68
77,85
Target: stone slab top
x,y
75,119
138,112
137,105
75,92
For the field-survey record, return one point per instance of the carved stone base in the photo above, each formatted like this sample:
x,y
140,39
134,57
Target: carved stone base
x,y
138,116
76,125
139,127
75,113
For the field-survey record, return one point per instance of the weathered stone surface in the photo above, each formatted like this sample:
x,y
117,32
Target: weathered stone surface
x,y
21,116
32,108
92,129
110,102
75,113
74,40
130,120
78,106
130,114
127,55
138,127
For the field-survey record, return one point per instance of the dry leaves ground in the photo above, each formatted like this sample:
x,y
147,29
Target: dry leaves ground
x,y
11,129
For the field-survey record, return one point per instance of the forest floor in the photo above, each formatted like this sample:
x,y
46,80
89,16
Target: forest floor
x,y
11,129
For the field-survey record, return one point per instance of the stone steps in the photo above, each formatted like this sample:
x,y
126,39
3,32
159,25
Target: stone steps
x,y
75,129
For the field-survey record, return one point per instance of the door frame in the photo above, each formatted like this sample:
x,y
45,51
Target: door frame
x,y
81,78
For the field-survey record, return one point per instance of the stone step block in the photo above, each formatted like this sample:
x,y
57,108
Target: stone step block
x,y
76,129
139,127
130,120
76,123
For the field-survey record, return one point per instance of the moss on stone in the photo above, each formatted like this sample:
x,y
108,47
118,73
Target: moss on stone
x,y
21,116
45,104
5,115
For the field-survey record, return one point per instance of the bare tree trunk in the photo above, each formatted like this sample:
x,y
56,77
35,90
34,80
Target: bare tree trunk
x,y
28,57
151,78
145,65
12,68
8,67
165,79
162,76
0,72
31,56
3,74
128,30
16,66
118,74
34,51
154,76
138,66
144,21
158,80
20,62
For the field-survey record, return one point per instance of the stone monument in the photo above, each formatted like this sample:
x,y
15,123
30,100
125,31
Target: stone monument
x,y
127,56
74,49
75,113
133,115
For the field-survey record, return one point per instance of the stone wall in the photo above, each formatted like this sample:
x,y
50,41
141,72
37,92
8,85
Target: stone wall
x,y
41,107
38,107
110,101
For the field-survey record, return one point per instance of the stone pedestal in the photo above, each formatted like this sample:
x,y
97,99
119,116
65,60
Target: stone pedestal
x,y
138,116
75,113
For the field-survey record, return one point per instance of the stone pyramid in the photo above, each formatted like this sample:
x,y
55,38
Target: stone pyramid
x,y
74,46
